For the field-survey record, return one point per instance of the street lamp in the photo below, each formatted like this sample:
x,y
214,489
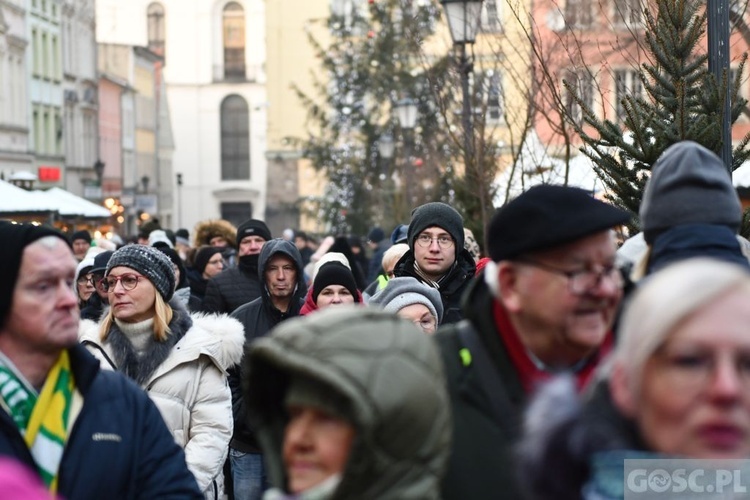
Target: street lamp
x,y
463,21
386,146
99,171
406,112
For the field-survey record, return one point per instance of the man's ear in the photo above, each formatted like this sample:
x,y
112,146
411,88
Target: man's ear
x,y
507,278
620,388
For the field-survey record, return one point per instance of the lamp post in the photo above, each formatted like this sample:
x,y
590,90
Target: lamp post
x,y
406,112
718,63
179,199
99,172
386,149
463,21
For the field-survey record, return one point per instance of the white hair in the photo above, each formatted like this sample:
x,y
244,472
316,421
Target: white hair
x,y
666,298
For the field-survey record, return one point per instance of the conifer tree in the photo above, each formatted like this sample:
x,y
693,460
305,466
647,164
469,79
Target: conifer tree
x,y
683,101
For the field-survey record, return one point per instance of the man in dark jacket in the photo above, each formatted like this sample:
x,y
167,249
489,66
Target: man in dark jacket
x,y
281,272
113,442
239,285
544,305
437,256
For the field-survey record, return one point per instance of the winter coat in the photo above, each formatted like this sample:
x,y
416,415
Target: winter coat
x,y
94,308
482,461
187,382
574,436
392,380
452,285
197,290
258,318
118,446
376,261
233,287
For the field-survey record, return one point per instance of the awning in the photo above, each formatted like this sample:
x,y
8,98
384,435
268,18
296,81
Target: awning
x,y
15,201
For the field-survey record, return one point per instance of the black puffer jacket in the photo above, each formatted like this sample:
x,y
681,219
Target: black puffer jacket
x,y
233,287
258,318
452,285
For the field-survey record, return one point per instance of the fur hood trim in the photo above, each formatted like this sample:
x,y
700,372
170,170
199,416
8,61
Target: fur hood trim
x,y
218,336
207,229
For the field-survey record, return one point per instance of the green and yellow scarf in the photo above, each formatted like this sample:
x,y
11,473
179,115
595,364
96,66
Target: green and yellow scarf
x,y
42,419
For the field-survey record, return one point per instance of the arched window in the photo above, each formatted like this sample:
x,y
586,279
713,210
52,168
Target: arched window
x,y
155,17
233,23
235,139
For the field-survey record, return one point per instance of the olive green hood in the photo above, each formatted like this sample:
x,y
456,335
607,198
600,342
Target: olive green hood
x,y
391,376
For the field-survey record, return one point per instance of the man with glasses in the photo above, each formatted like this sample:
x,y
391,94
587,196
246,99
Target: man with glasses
x,y
437,256
544,305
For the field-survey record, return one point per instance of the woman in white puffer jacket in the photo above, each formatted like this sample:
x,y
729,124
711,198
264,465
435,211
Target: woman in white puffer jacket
x,y
181,360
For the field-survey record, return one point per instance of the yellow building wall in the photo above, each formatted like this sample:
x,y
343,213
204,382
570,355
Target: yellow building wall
x,y
144,81
291,61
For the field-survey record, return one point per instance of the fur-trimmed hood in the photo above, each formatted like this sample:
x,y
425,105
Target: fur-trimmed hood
x,y
207,229
563,431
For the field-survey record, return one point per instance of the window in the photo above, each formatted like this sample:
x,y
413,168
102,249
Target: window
x,y
155,19
56,72
38,131
581,82
578,13
235,139
36,52
45,57
628,12
492,89
236,212
233,22
627,83
491,17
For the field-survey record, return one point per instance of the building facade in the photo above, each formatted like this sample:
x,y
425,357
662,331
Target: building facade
x,y
14,111
214,78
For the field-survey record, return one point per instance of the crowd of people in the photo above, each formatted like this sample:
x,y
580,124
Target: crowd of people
x,y
238,365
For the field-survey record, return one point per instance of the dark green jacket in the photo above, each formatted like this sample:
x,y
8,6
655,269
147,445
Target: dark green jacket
x,y
482,462
390,376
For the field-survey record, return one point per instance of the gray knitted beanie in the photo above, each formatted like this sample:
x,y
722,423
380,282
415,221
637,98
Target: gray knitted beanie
x,y
148,261
440,215
689,185
405,291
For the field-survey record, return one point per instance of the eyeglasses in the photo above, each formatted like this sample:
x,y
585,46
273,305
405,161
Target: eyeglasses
x,y
128,281
581,280
425,240
427,325
86,279
690,369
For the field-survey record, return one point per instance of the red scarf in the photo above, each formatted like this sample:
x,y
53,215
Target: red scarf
x,y
531,376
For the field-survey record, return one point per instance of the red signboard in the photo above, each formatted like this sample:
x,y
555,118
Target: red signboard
x,y
49,174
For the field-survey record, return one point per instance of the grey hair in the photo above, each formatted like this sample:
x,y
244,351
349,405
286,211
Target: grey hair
x,y
665,299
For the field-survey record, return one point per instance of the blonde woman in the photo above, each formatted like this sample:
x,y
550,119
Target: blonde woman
x,y
179,359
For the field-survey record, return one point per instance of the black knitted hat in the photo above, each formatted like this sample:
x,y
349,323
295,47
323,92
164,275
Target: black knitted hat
x,y
202,256
150,262
81,235
440,215
334,273
15,238
253,227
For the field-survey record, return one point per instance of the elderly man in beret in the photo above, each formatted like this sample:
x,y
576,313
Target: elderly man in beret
x,y
86,433
544,305
437,256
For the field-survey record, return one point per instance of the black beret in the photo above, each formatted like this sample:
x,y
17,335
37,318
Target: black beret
x,y
546,216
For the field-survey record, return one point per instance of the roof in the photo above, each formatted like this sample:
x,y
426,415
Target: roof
x,y
14,200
